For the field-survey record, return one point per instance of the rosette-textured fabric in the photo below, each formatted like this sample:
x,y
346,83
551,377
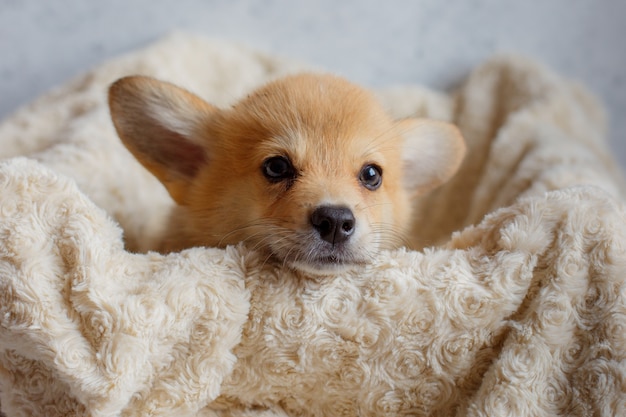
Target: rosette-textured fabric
x,y
511,302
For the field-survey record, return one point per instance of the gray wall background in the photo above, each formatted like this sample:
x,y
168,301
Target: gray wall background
x,y
429,42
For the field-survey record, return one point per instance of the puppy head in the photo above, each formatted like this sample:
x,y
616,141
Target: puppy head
x,y
308,168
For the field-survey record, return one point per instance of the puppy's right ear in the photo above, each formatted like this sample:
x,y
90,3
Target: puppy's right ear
x,y
161,125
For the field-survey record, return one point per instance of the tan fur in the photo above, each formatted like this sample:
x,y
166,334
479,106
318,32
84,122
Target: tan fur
x,y
211,160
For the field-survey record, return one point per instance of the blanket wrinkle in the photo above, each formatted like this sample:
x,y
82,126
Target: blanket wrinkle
x,y
515,124
512,301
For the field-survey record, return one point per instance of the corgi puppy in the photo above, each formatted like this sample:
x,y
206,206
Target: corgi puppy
x,y
308,168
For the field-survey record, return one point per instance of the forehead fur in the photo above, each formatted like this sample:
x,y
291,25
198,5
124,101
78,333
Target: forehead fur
x,y
318,106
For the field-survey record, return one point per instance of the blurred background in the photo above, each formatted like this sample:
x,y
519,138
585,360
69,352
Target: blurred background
x,y
429,42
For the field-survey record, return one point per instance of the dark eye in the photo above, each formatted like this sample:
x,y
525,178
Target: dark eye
x,y
278,168
371,176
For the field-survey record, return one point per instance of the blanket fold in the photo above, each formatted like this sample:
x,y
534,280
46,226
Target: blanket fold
x,y
513,304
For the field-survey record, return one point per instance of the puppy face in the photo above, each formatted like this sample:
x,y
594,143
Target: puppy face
x,y
308,168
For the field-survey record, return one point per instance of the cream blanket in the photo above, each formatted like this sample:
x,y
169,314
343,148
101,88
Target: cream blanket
x,y
517,306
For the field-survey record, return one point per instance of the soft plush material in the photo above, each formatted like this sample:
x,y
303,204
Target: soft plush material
x,y
511,302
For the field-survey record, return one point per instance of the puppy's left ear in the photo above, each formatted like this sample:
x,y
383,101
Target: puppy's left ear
x,y
432,153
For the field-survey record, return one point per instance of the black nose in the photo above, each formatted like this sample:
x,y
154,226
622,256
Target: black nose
x,y
334,224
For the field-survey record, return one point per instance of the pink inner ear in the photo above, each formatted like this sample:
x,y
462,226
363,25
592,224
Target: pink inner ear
x,y
180,155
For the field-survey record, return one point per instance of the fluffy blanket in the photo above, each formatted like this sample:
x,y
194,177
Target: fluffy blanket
x,y
512,301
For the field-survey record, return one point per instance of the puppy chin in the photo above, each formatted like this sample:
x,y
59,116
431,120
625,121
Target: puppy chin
x,y
319,269
327,262
310,255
